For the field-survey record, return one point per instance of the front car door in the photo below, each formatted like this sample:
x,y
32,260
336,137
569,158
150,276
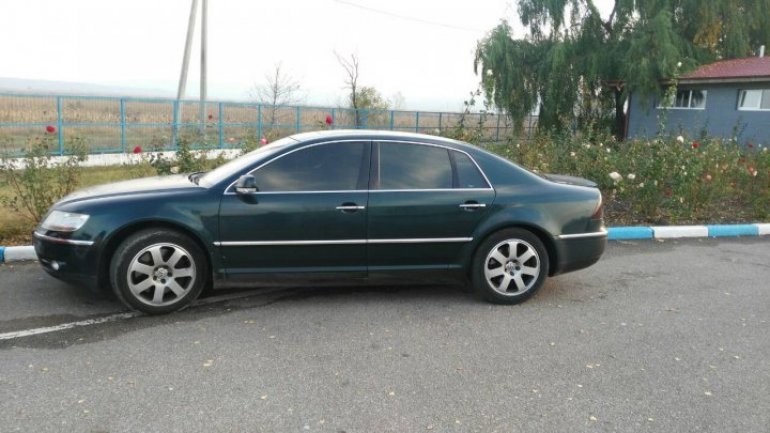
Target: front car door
x,y
424,204
308,219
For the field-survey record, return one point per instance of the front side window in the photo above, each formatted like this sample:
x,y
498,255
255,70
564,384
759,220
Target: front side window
x,y
690,98
756,99
325,167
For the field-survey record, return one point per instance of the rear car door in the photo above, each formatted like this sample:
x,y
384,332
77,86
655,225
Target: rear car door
x,y
308,219
424,204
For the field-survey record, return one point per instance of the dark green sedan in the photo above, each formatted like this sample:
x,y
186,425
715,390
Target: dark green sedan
x,y
360,207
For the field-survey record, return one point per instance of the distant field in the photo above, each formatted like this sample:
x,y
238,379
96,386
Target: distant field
x,y
120,124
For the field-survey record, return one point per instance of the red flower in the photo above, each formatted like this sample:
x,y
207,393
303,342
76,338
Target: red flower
x,y
329,119
211,116
138,149
708,178
749,145
50,129
695,145
263,140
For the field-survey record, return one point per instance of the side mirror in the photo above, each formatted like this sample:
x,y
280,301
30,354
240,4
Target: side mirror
x,y
246,185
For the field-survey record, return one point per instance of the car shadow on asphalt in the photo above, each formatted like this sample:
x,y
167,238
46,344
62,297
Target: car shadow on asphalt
x,y
225,302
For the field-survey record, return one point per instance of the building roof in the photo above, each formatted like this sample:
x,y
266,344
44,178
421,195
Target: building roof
x,y
744,69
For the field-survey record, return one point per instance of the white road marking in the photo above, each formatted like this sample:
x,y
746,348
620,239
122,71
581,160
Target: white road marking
x,y
128,315
65,326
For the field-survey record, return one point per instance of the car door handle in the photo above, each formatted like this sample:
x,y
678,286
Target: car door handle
x,y
472,205
347,207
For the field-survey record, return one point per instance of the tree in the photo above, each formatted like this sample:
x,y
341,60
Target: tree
x,y
580,67
397,101
370,98
351,82
279,89
362,99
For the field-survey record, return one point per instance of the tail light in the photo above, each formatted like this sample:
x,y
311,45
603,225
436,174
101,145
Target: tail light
x,y
599,212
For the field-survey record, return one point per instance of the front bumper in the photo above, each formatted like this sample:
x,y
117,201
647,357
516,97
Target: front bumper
x,y
73,261
580,251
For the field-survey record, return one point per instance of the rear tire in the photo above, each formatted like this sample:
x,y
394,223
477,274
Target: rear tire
x,y
510,266
158,271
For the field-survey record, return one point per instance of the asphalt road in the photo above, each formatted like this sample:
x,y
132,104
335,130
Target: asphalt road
x,y
658,336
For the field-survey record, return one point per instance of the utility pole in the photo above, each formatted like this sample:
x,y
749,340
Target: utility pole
x,y
186,63
187,48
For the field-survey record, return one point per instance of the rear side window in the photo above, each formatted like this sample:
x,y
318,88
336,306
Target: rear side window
x,y
326,167
413,166
468,175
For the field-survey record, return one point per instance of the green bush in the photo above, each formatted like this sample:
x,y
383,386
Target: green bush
x,y
661,181
37,180
187,159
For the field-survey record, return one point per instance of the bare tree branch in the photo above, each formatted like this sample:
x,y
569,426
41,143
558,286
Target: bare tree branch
x,y
278,89
351,81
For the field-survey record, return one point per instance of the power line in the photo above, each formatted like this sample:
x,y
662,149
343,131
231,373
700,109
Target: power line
x,y
409,18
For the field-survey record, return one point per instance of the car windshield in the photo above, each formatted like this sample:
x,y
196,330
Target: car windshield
x,y
226,170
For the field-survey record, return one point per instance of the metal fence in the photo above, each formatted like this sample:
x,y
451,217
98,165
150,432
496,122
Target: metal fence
x,y
123,124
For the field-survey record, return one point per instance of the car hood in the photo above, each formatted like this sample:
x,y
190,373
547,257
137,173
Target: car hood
x,y
136,186
569,180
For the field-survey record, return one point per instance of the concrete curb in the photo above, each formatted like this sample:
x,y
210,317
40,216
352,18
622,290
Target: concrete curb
x,y
675,232
27,253
17,254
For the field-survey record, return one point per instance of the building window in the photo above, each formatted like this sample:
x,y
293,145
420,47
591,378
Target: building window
x,y
756,99
686,99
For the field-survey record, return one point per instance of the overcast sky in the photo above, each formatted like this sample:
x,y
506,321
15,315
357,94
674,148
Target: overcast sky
x,y
420,48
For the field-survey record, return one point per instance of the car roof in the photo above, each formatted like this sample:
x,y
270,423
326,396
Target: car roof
x,y
373,134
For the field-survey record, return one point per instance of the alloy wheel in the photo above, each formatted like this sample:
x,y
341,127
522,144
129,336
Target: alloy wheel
x,y
512,267
161,274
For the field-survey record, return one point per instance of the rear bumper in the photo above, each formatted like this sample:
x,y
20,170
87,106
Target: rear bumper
x,y
579,251
74,263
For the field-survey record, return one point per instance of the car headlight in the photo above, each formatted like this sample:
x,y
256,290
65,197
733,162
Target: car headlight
x,y
59,221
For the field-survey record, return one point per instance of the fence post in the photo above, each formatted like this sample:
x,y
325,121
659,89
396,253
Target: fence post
x,y
60,124
259,121
122,125
416,121
220,125
175,122
439,122
296,121
497,132
391,120
529,127
334,118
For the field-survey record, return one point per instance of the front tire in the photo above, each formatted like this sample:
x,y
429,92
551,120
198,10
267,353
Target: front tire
x,y
158,271
510,266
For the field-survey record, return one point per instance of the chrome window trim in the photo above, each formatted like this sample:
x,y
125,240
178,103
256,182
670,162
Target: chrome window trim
x,y
598,234
419,143
304,192
431,190
44,237
340,242
369,191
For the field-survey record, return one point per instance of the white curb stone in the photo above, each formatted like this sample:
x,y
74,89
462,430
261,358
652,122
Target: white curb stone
x,y
764,229
665,232
18,254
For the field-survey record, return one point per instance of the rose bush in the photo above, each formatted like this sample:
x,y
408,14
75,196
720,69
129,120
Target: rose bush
x,y
672,180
